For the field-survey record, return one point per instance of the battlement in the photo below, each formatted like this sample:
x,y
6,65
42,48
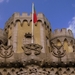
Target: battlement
x,y
62,32
27,17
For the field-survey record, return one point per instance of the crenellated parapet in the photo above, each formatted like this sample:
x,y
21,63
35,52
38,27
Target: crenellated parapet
x,y
26,17
62,32
62,35
3,37
63,46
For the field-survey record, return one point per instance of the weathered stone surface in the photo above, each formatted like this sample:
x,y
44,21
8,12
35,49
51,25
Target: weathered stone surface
x,y
51,53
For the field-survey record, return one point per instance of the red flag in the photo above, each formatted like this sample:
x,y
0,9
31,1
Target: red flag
x,y
34,16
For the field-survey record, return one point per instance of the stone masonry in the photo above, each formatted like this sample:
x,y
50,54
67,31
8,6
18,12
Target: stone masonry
x,y
52,53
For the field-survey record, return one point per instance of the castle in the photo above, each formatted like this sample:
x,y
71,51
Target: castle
x,y
52,53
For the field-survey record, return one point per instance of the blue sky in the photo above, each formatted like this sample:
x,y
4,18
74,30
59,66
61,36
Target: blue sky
x,y
60,13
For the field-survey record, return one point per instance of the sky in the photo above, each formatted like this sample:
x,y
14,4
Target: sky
x,y
60,13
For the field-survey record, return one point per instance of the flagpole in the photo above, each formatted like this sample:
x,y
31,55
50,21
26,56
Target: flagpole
x,y
32,24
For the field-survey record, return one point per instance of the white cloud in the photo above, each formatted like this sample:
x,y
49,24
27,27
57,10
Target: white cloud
x,y
72,25
1,1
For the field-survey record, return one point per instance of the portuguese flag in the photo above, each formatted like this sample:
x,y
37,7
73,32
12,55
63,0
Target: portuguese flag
x,y
34,15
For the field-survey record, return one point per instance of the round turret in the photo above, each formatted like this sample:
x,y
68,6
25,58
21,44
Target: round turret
x,y
63,37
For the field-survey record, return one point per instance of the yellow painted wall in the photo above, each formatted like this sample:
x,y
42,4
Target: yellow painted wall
x,y
24,28
66,45
58,43
37,33
19,38
70,48
21,32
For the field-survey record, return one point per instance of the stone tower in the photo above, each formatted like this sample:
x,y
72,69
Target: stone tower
x,y
18,28
52,53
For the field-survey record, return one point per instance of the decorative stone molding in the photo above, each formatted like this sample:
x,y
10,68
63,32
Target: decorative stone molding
x,y
33,49
58,51
6,51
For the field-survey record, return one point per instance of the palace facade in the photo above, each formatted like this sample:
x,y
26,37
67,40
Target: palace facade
x,y
52,53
